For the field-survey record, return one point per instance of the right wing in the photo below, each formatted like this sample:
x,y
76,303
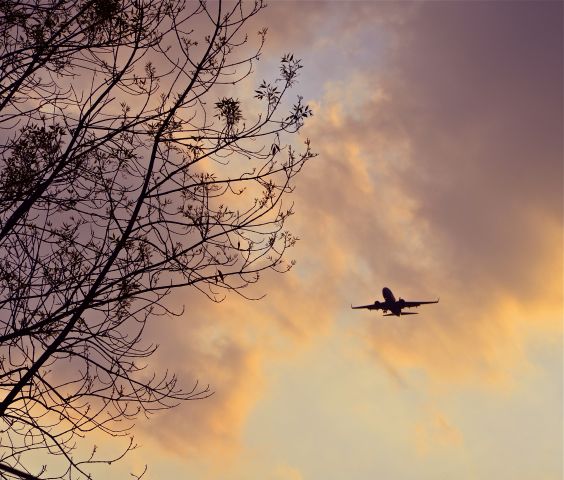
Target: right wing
x,y
407,304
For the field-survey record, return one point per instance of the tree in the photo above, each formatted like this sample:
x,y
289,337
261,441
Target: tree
x,y
128,169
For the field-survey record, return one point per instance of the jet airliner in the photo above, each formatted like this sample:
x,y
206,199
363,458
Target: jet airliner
x,y
394,306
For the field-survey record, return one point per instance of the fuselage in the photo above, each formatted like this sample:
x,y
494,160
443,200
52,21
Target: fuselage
x,y
388,295
390,302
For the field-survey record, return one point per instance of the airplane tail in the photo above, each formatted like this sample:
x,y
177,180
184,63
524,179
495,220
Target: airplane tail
x,y
401,314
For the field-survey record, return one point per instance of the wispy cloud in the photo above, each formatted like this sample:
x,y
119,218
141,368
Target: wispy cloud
x,y
439,174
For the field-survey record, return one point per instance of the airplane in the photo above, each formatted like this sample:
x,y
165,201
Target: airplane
x,y
394,306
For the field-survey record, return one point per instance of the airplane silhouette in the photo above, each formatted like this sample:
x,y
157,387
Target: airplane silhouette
x,y
394,306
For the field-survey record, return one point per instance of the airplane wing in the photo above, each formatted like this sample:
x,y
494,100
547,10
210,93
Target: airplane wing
x,y
407,304
369,307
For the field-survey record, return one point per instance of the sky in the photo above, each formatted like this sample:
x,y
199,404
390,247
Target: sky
x,y
439,132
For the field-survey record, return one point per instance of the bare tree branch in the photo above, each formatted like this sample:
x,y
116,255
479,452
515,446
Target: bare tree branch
x,y
127,169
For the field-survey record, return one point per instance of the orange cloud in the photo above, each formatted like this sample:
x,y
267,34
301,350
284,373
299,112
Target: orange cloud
x,y
425,198
287,473
227,346
440,177
436,432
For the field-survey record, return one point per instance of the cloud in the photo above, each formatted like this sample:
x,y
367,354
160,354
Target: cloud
x,y
287,473
443,176
205,345
484,118
228,345
438,175
436,432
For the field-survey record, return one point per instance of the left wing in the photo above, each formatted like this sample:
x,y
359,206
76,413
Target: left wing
x,y
369,307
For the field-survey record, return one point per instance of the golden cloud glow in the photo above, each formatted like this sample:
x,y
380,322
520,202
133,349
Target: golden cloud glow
x,y
438,175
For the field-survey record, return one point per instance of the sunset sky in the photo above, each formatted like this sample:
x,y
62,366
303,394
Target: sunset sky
x,y
439,130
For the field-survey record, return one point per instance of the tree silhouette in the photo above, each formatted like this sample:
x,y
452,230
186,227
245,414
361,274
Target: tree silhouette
x,y
127,170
